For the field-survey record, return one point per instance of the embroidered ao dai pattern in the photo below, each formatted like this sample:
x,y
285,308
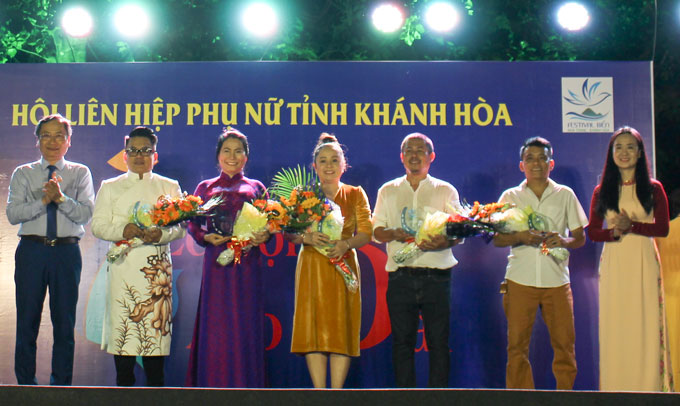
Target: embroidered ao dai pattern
x,y
138,319
228,348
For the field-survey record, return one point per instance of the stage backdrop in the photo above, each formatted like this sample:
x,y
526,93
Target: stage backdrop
x,y
477,114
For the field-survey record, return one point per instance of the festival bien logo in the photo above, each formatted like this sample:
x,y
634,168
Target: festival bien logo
x,y
587,105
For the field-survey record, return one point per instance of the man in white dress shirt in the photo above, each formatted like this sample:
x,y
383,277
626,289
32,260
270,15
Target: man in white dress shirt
x,y
421,286
535,278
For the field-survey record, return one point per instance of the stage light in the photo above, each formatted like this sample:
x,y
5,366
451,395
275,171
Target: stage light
x,y
573,16
442,17
260,19
387,18
132,21
77,22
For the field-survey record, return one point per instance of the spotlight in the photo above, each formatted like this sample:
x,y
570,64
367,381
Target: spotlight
x,y
387,18
573,16
132,21
260,19
77,22
442,17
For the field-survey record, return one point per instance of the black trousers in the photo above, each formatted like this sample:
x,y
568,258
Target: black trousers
x,y
37,269
125,370
412,292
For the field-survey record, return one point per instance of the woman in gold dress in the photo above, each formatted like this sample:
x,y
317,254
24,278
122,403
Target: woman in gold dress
x,y
328,315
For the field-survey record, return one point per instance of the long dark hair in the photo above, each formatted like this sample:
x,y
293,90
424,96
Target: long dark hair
x,y
610,185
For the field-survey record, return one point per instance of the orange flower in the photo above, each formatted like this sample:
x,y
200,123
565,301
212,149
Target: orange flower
x,y
475,209
186,206
308,194
195,199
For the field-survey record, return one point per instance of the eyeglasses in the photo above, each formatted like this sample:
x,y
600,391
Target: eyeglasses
x,y
59,137
146,151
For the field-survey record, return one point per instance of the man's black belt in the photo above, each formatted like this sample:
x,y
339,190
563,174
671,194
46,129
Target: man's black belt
x,y
51,242
412,271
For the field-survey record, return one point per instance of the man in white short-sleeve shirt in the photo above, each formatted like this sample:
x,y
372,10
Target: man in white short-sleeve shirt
x,y
420,286
535,278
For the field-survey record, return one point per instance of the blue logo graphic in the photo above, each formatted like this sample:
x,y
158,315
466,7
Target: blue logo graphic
x,y
589,98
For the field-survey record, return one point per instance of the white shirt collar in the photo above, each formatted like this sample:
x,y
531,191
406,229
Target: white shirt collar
x,y
135,176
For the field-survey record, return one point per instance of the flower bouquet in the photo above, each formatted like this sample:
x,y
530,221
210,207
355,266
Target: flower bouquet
x,y
276,214
301,197
121,248
249,220
478,220
433,224
167,212
332,225
516,219
307,209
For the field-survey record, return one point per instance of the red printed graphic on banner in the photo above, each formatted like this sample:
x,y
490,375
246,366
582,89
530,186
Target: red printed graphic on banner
x,y
276,332
380,327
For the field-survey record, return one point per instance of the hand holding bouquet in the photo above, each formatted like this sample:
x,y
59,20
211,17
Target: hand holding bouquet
x,y
516,220
249,221
331,225
433,224
167,212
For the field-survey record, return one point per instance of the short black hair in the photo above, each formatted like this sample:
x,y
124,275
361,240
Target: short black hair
x,y
536,142
142,132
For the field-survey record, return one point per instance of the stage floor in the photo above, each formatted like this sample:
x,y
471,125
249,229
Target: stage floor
x,y
104,396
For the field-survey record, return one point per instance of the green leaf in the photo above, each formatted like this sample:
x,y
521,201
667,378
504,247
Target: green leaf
x,y
288,179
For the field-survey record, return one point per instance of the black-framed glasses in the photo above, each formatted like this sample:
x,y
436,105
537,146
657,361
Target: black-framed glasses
x,y
146,151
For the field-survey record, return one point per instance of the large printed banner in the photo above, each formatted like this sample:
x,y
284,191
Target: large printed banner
x,y
477,114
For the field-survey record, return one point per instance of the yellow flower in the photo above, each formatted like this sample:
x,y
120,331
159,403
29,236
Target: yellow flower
x,y
309,203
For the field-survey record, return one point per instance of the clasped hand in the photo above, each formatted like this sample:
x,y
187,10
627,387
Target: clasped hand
x,y
148,235
437,242
536,238
217,239
337,248
52,190
431,243
622,223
